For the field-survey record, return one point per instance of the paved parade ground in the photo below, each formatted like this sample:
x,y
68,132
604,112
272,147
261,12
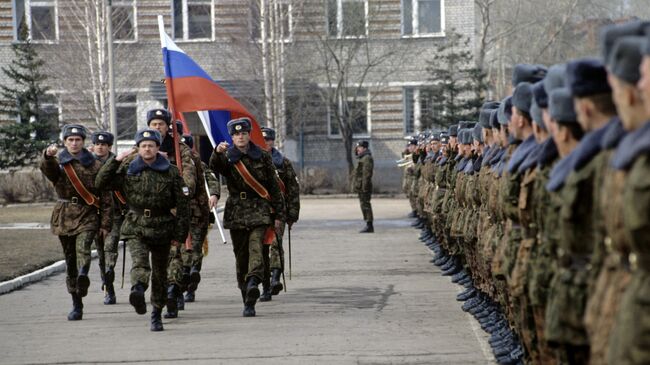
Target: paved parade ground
x,y
353,299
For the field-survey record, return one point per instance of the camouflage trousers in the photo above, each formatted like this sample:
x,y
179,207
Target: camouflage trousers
x,y
175,267
107,248
273,256
366,207
249,259
76,250
194,257
141,269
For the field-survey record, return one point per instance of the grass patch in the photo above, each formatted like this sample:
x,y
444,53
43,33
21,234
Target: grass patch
x,y
26,250
26,214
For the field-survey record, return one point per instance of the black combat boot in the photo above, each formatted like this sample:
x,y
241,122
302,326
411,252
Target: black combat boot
x,y
109,289
77,308
83,282
252,293
185,278
189,297
368,228
266,291
156,321
195,279
136,298
180,302
172,301
276,283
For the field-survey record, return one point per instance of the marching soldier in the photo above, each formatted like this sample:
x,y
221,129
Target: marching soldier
x,y
288,182
254,209
107,249
362,183
158,201
81,212
207,194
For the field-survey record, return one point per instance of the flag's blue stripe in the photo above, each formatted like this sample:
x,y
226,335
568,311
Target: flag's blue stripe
x,y
179,64
219,125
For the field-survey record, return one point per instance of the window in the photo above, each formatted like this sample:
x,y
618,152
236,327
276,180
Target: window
x,y
356,109
283,12
422,17
347,18
419,111
192,19
124,20
126,112
39,17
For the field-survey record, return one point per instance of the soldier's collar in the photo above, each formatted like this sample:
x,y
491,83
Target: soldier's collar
x,y
560,172
84,157
234,154
632,146
161,164
548,154
589,146
615,133
277,157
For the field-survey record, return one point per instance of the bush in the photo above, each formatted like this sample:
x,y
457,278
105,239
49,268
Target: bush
x,y
25,186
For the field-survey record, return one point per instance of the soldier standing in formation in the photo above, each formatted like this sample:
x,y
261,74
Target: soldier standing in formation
x,y
362,183
158,216
274,254
544,219
255,209
82,211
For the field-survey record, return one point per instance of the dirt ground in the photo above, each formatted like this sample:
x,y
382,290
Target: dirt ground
x,y
25,250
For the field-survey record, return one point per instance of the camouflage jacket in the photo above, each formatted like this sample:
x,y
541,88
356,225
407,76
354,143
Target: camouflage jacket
x,y
214,185
118,207
157,188
69,219
199,205
189,168
244,207
288,176
362,176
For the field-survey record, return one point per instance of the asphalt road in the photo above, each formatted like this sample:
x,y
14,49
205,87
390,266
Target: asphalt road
x,y
353,299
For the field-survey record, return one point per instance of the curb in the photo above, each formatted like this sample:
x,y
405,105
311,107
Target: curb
x,y
40,274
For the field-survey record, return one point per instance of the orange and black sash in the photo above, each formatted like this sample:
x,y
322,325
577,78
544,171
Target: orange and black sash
x,y
120,197
86,195
269,234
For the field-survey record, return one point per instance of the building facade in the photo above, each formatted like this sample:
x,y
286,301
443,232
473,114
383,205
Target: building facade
x,y
385,45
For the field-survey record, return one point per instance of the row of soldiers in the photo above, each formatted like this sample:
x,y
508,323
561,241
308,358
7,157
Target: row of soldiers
x,y
158,201
541,208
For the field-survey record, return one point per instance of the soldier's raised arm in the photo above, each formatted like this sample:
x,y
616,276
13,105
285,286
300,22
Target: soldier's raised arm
x,y
49,164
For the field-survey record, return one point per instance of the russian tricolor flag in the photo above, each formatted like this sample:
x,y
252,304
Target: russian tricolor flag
x,y
191,89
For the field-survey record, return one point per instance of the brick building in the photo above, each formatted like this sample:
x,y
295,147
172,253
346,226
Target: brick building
x,y
223,37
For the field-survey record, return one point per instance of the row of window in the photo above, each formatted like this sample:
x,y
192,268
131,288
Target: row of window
x,y
417,108
193,19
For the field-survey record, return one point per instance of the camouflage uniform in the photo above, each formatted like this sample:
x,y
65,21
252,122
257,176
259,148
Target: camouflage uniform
x,y
362,184
248,215
75,222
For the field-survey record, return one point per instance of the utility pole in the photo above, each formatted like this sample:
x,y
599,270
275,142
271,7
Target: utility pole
x,y
111,72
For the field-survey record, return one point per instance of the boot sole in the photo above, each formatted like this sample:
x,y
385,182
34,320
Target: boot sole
x,y
137,301
82,285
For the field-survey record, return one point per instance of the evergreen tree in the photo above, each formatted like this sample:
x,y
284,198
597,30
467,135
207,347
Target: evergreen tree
x,y
22,100
459,86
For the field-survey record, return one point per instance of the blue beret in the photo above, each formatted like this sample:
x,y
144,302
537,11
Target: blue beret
x,y
73,130
268,133
161,114
539,95
523,96
102,137
188,140
610,33
537,115
626,58
505,111
527,73
239,125
147,134
587,76
555,78
561,106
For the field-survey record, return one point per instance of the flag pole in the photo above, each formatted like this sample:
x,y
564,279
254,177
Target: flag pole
x,y
172,107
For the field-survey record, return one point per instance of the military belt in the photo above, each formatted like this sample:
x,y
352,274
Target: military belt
x,y
74,200
150,213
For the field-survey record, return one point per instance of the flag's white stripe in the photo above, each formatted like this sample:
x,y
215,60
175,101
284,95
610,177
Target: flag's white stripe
x,y
165,41
205,120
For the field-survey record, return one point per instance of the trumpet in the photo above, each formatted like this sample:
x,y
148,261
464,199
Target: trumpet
x,y
405,164
406,161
